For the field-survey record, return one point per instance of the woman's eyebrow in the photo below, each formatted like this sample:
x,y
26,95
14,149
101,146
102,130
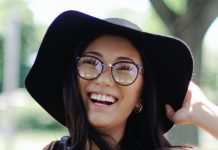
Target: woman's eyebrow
x,y
117,59
124,58
93,53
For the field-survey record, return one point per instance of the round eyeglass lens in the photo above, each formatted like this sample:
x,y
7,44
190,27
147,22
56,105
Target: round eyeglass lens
x,y
89,67
124,73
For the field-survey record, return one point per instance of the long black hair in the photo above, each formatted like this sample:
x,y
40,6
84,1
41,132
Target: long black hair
x,y
142,130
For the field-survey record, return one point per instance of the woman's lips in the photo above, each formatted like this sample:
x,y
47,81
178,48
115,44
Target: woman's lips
x,y
102,99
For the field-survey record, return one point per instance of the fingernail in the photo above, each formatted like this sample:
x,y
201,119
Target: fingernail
x,y
168,108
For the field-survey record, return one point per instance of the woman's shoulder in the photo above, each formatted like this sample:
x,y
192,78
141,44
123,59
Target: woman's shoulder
x,y
51,145
64,141
182,148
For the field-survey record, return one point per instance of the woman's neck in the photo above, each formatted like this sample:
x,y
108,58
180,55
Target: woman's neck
x,y
111,135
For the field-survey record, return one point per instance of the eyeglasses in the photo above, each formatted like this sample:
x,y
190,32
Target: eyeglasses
x,y
123,72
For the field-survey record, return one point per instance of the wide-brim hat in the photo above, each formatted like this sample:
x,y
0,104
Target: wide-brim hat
x,y
170,60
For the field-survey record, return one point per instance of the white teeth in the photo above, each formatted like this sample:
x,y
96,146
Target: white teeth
x,y
108,99
99,97
104,98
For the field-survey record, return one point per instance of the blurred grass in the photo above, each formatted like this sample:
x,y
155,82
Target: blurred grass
x,y
31,126
31,139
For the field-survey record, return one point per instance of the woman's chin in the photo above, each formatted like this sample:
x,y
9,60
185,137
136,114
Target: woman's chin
x,y
100,121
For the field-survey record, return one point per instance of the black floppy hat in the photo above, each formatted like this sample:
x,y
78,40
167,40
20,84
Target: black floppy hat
x,y
170,59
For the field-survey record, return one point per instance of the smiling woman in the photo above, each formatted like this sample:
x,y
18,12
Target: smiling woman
x,y
123,95
108,82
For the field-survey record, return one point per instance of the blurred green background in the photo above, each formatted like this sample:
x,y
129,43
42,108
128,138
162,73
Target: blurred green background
x,y
25,125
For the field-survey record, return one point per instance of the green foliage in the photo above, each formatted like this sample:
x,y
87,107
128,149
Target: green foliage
x,y
148,20
152,23
32,116
29,37
28,40
27,46
177,6
1,61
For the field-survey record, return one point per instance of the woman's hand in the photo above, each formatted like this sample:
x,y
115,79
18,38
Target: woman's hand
x,y
196,110
194,98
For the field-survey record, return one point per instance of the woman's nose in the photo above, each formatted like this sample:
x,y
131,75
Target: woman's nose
x,y
105,78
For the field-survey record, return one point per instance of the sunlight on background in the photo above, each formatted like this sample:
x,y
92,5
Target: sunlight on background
x,y
210,61
211,37
45,11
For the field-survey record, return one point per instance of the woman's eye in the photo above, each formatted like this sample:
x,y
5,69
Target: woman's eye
x,y
125,67
90,61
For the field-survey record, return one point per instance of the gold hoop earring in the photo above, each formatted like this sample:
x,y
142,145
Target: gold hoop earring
x,y
138,110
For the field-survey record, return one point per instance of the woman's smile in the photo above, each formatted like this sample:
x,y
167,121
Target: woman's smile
x,y
103,100
101,105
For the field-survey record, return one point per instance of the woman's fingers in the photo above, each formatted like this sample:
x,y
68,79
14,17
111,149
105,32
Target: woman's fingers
x,y
169,112
179,117
187,100
193,98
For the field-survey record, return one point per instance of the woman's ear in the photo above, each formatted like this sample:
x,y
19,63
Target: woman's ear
x,y
138,107
138,104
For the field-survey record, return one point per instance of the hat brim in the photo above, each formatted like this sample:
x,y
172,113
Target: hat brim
x,y
170,59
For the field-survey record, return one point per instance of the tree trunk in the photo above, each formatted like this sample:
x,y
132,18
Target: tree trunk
x,y
191,28
11,75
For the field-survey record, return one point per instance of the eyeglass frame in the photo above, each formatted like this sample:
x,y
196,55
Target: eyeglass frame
x,y
138,66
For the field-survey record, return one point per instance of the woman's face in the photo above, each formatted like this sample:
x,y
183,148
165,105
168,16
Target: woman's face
x,y
111,116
